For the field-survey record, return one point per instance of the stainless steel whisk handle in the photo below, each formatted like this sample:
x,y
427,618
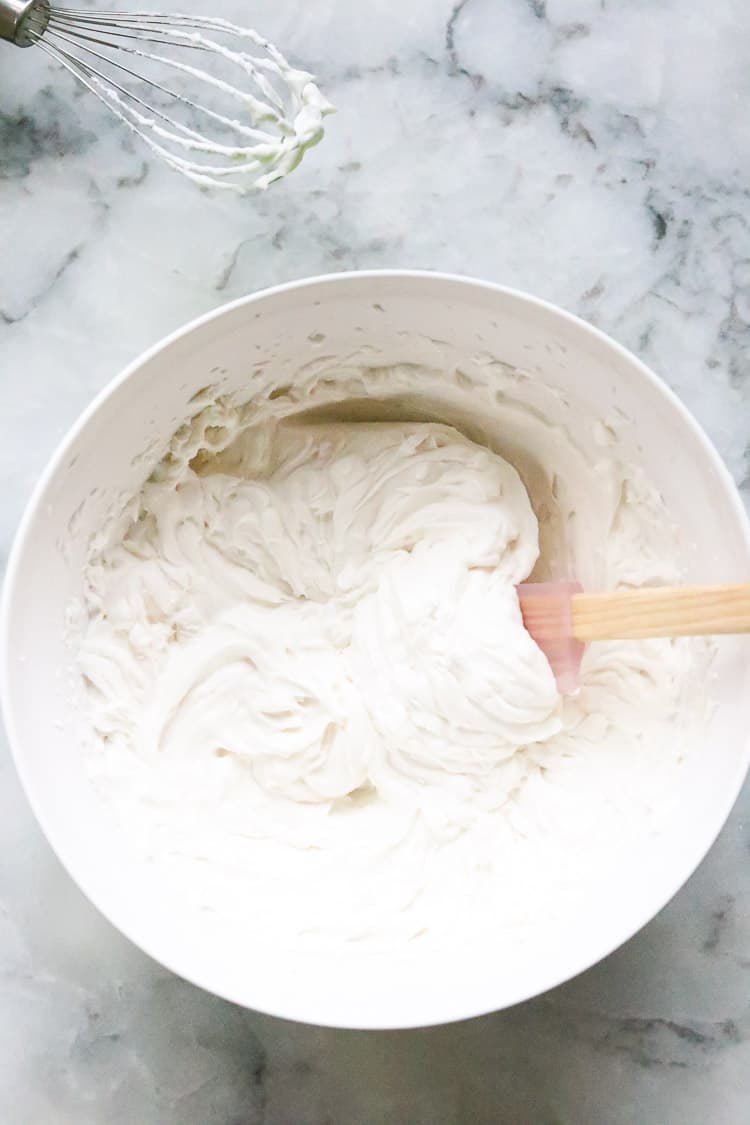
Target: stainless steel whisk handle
x,y
23,21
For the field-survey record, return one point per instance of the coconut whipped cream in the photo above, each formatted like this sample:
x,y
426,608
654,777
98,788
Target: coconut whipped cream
x,y
313,702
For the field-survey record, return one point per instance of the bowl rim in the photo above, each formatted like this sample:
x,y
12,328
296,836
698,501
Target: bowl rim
x,y
470,1008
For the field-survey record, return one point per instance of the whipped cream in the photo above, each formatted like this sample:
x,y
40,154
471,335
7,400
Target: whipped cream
x,y
312,700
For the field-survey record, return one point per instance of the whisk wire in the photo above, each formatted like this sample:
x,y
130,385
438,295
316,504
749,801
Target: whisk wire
x,y
56,35
204,175
92,71
156,22
281,108
162,42
244,61
202,142
118,30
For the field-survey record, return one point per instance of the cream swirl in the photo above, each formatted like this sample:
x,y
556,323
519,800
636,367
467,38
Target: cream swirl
x,y
344,618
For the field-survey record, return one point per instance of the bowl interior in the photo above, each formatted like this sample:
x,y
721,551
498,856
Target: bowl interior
x,y
443,323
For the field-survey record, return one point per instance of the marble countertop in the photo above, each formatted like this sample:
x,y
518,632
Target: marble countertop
x,y
595,152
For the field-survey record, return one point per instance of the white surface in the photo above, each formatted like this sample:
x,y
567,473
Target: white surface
x,y
616,190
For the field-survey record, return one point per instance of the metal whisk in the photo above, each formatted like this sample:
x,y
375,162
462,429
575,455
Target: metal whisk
x,y
145,68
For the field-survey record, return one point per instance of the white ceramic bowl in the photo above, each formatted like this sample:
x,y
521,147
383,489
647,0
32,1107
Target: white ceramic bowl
x,y
388,311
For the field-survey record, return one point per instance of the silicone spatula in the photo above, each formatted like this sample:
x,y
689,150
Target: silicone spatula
x,y
562,619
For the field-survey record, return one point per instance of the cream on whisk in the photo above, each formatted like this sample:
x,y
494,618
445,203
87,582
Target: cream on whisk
x,y
216,102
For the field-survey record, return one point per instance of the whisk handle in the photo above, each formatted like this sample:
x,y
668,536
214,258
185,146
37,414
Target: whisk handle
x,y
23,21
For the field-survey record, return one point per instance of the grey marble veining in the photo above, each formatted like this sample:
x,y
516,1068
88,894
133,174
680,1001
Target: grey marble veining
x,y
595,152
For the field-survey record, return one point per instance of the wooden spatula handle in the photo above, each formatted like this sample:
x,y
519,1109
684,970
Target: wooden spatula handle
x,y
663,611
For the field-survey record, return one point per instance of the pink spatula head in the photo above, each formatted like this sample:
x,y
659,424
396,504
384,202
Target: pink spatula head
x,y
546,612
